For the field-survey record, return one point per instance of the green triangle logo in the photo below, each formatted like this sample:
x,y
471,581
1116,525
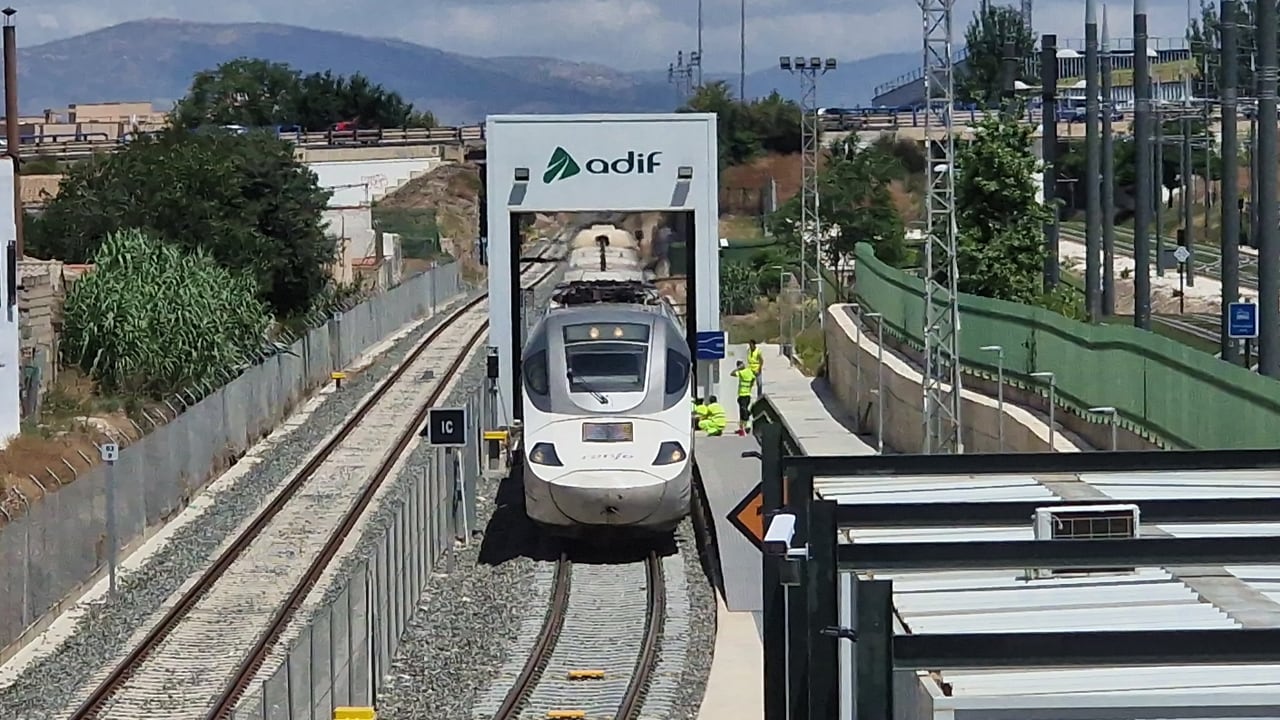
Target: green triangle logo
x,y
561,166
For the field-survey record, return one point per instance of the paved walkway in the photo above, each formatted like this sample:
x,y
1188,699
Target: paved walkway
x,y
735,689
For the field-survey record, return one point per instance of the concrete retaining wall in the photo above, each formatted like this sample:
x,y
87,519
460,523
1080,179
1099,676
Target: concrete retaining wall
x,y
851,369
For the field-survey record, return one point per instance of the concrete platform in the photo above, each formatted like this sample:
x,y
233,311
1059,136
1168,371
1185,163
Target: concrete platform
x,y
735,688
812,414
811,411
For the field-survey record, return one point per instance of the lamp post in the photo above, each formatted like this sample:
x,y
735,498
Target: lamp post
x,y
999,351
857,358
1048,376
879,380
782,282
1111,413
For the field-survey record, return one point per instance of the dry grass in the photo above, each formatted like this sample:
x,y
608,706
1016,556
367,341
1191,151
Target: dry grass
x,y
64,445
740,228
784,169
908,203
767,322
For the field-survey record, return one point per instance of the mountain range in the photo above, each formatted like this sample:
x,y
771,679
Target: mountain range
x,y
155,60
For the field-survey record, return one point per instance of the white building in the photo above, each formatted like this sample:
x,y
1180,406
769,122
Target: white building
x,y
10,366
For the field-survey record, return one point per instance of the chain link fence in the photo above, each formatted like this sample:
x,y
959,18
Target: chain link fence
x,y
418,228
59,541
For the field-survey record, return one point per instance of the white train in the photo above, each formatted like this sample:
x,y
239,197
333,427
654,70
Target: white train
x,y
606,395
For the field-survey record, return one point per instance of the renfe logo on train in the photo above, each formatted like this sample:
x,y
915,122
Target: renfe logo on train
x,y
562,165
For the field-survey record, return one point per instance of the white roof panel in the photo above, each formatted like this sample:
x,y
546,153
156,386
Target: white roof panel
x,y
1006,601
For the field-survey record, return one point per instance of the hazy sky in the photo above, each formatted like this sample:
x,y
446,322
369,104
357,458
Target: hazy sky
x,y
628,34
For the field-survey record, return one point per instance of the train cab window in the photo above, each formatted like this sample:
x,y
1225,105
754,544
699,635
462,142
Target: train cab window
x,y
536,376
677,373
606,367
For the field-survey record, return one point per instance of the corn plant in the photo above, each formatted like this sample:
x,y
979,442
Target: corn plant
x,y
152,320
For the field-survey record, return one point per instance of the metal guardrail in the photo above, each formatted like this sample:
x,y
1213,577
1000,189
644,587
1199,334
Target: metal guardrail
x,y
86,146
764,413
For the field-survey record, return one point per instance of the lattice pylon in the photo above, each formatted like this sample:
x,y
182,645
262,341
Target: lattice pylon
x,y
810,224
942,386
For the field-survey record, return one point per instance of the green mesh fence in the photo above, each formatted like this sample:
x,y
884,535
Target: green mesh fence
x,y
418,229
1186,397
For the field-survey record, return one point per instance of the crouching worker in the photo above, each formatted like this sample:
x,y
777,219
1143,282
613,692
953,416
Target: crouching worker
x,y
715,420
699,413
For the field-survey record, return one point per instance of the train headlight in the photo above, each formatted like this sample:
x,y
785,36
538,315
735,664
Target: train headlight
x,y
669,453
544,454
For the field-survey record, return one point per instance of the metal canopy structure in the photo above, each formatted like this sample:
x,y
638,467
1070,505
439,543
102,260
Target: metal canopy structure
x,y
800,591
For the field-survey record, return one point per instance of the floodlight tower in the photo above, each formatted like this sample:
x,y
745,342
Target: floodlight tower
x,y
941,273
809,69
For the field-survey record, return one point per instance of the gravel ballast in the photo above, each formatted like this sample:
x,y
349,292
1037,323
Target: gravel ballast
x,y
468,623
49,684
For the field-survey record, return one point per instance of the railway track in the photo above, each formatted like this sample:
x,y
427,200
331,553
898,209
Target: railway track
x,y
202,655
597,650
1204,326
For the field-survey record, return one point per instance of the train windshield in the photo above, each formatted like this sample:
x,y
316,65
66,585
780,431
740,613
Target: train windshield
x,y
606,358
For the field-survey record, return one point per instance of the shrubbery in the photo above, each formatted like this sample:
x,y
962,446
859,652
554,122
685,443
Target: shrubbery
x,y
153,320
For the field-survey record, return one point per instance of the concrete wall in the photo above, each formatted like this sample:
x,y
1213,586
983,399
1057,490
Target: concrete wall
x,y
852,375
361,182
40,301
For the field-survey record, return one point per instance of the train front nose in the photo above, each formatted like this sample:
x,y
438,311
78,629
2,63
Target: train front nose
x,y
614,497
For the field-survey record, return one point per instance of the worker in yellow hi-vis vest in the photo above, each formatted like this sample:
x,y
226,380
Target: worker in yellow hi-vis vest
x,y
700,412
755,361
746,380
716,420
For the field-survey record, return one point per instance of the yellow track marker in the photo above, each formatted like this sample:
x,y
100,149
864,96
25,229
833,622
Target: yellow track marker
x,y
558,714
586,674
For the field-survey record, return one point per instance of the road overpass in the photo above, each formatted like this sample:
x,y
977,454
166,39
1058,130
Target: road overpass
x,y
453,141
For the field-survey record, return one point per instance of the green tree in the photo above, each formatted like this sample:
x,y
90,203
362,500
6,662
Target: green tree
x,y
746,130
153,320
1204,35
244,91
856,206
982,79
1073,162
244,199
259,93
1000,243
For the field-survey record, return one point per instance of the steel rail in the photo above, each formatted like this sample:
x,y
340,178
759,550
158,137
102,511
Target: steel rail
x,y
545,645
633,701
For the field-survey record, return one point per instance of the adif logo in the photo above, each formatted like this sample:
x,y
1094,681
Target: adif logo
x,y
562,166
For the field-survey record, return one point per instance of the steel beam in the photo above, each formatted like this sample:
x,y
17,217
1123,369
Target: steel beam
x,y
1089,649
1059,554
773,603
1035,463
1003,514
